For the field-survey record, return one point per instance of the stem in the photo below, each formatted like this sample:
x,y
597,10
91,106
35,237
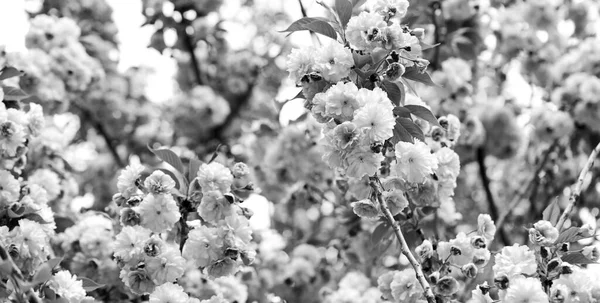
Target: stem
x,y
485,180
185,210
435,7
190,45
518,198
427,291
577,190
99,127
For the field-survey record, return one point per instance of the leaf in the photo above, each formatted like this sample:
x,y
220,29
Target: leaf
x,y
379,232
344,10
35,217
313,24
16,213
300,95
356,3
394,93
5,268
413,73
215,154
9,72
571,234
168,156
13,93
43,274
413,129
49,293
360,61
426,46
423,113
401,111
193,168
552,212
54,262
576,258
62,223
90,285
400,133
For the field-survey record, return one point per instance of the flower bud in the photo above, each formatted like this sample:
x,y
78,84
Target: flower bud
x,y
501,282
153,247
553,264
446,286
425,250
587,230
543,233
418,32
434,277
221,268
394,71
129,217
455,251
591,252
469,270
478,242
118,199
365,209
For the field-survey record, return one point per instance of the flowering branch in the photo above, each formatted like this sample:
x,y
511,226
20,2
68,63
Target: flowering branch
x,y
88,115
533,184
577,190
427,291
485,180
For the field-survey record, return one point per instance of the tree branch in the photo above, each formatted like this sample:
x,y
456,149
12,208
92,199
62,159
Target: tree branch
x,y
485,180
577,189
190,45
427,291
99,127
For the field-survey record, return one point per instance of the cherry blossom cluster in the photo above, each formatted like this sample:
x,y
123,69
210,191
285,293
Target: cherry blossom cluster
x,y
151,210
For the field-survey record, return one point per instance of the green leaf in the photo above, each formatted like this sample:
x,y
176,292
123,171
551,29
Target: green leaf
x,y
62,223
401,111
313,24
423,113
215,154
379,233
395,94
16,213
401,133
426,46
413,73
90,285
13,93
576,258
5,268
344,10
413,129
49,293
9,72
569,235
356,3
552,212
35,217
43,274
193,168
54,262
360,61
168,156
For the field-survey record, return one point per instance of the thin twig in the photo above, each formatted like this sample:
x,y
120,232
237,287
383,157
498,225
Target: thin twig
x,y
485,180
427,291
99,127
191,47
577,189
518,197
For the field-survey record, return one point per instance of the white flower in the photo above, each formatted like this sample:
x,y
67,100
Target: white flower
x,y
334,61
459,70
425,250
405,286
344,136
203,246
448,165
9,188
159,183
364,31
579,284
127,181
486,227
355,280
514,261
169,293
35,119
239,227
215,176
67,286
129,242
12,135
477,296
300,62
415,161
390,8
158,212
543,233
365,208
166,267
591,252
232,289
363,162
461,244
395,200
341,102
214,206
376,120
30,239
525,290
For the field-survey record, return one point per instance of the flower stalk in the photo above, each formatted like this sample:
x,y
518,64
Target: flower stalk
x,y
577,189
427,290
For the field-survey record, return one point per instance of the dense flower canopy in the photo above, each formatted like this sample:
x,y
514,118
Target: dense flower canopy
x,y
355,151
